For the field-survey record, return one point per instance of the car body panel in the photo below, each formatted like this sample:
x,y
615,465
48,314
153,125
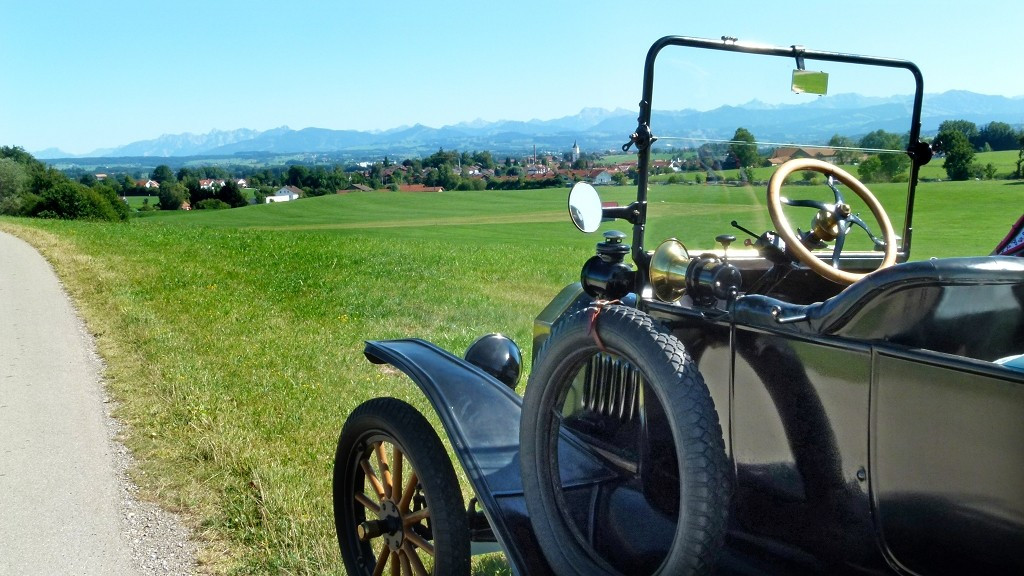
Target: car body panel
x,y
947,473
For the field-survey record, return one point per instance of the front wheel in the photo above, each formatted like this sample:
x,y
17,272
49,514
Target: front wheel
x,y
613,384
398,507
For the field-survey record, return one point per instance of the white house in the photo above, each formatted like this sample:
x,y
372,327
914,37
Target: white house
x,y
211,184
602,177
285,194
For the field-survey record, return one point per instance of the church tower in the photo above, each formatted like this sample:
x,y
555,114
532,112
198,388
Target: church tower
x,y
575,152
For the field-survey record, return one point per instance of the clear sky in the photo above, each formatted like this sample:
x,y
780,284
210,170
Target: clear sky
x,y
80,75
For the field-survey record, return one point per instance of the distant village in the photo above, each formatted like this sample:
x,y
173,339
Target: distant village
x,y
533,171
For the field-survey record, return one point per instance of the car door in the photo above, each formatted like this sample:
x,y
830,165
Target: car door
x,y
947,463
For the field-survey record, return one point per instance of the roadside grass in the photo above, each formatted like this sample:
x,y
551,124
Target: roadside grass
x,y
233,339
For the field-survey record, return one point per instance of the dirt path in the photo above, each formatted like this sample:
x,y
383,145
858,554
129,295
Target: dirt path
x,y
66,504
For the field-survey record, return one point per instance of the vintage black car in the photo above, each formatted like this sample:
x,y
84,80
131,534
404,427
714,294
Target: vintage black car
x,y
784,401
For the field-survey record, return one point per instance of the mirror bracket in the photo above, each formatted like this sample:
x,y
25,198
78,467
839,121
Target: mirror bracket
x,y
642,138
798,53
630,213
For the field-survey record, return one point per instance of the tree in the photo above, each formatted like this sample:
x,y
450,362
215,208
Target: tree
x,y
231,194
172,195
998,136
196,193
965,127
743,149
441,158
14,181
14,178
484,159
297,175
870,169
959,154
842,144
891,166
162,174
1020,157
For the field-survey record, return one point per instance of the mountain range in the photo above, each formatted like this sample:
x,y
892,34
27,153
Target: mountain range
x,y
593,129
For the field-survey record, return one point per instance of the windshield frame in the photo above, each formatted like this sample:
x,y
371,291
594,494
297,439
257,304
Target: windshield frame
x,y
919,152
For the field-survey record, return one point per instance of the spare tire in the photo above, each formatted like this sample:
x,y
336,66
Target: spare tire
x,y
614,384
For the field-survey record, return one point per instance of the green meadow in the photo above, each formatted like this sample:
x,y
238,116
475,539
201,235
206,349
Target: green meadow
x,y
233,339
1003,164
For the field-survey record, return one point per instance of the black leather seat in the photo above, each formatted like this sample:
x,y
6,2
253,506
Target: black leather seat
x,y
970,307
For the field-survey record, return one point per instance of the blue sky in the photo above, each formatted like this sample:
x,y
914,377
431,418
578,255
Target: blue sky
x,y
83,75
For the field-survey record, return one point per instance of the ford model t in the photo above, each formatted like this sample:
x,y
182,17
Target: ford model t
x,y
797,397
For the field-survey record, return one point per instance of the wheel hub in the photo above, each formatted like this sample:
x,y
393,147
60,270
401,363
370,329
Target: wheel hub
x,y
388,525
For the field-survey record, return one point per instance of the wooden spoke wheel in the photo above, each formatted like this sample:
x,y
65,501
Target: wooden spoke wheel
x,y
398,507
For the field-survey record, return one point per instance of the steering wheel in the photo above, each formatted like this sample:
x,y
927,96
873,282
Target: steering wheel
x,y
832,222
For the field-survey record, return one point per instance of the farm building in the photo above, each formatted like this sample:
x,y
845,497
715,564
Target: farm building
x,y
284,194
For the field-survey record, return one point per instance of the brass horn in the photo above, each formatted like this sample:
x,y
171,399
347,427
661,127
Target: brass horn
x,y
668,270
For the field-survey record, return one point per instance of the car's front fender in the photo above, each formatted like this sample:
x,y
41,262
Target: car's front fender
x,y
481,417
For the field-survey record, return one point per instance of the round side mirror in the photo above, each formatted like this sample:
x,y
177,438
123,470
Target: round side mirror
x,y
585,207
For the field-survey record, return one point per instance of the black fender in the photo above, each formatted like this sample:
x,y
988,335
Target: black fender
x,y
481,416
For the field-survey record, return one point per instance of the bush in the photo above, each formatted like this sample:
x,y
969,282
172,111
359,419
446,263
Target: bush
x,y
212,204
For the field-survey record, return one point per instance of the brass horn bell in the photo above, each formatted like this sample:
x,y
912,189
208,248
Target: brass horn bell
x,y
668,270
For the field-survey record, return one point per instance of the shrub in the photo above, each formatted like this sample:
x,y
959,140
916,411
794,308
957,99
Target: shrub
x,y
212,204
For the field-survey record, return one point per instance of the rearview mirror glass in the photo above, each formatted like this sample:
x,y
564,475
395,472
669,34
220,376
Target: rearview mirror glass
x,y
810,82
585,207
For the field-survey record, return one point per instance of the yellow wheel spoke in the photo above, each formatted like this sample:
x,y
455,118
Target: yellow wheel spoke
x,y
367,503
399,462
414,560
410,491
385,469
406,567
382,560
414,517
372,477
417,541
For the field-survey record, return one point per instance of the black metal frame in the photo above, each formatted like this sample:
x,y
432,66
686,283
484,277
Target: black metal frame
x,y
643,137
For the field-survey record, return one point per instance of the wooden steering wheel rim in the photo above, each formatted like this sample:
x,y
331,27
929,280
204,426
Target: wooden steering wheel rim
x,y
784,230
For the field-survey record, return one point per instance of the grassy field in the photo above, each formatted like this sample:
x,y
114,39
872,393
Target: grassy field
x,y
233,339
1004,163
136,202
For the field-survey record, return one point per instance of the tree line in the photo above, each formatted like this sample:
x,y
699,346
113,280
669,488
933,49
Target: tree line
x,y
445,168
956,142
959,140
30,188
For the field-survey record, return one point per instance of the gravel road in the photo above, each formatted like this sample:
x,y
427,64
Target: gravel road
x,y
67,505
